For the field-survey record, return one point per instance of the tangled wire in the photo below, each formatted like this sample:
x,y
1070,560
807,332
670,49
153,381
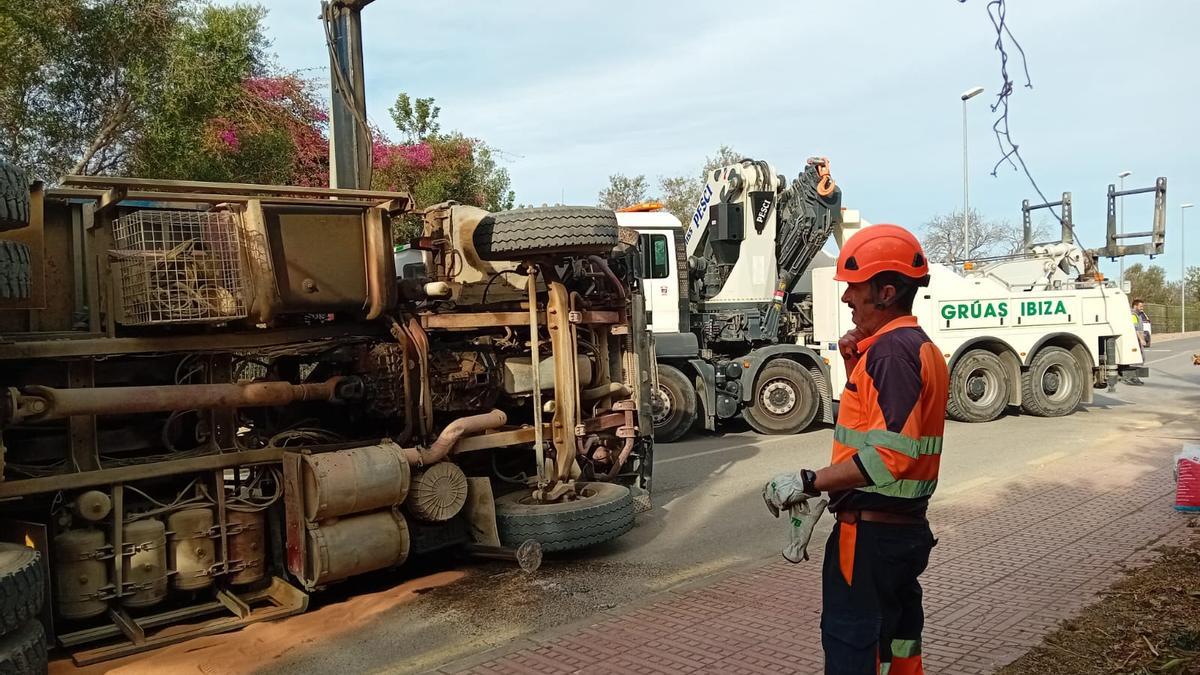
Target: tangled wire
x,y
1010,152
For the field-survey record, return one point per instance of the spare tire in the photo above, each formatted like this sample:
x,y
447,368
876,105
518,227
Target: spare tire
x,y
14,270
551,230
23,651
604,512
22,586
14,197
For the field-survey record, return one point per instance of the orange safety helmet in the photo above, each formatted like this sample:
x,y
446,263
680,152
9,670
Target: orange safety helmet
x,y
882,248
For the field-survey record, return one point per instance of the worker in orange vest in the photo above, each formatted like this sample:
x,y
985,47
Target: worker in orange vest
x,y
886,452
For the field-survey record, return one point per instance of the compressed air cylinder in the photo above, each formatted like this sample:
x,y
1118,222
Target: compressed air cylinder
x,y
356,480
437,493
357,544
146,568
190,548
78,575
247,546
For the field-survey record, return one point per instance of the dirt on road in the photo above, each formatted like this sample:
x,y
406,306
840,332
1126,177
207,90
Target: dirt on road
x,y
1149,622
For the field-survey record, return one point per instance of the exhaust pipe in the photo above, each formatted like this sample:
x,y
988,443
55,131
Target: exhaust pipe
x,y
450,436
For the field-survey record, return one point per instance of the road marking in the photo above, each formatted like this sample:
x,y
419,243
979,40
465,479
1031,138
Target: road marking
x,y
966,485
693,572
1046,459
1165,358
763,441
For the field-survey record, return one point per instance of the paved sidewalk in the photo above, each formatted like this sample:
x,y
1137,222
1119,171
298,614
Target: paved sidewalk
x,y
1014,559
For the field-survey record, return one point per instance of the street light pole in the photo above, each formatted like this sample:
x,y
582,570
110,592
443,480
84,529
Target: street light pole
x,y
1183,269
1122,176
966,96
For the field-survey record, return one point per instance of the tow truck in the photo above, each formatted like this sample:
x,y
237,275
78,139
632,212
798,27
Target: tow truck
x,y
746,313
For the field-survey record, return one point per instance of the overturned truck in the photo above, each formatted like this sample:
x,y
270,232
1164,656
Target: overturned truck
x,y
217,398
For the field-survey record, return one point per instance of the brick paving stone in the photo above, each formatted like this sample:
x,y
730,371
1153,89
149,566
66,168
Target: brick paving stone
x,y
1012,562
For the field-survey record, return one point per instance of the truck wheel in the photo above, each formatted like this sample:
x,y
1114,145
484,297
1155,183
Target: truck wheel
x,y
604,512
551,230
1052,386
785,399
22,586
674,405
14,197
978,387
23,651
14,270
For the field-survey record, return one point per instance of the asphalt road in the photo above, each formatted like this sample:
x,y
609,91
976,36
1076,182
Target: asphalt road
x,y
707,518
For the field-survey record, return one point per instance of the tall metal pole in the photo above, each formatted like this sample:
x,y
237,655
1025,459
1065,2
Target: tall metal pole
x,y
1183,268
966,202
966,96
1122,176
349,136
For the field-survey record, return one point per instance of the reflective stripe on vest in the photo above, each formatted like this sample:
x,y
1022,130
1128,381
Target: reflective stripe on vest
x,y
885,483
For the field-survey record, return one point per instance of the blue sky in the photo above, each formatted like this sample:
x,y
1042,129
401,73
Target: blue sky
x,y
574,91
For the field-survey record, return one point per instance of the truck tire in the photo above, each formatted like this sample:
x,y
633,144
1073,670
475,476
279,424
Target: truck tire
x,y
14,270
22,585
785,399
978,387
23,652
14,197
674,405
551,230
604,513
1052,386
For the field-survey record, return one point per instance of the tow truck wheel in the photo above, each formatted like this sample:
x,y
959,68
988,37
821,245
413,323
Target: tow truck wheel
x,y
1052,386
978,387
673,405
785,400
603,511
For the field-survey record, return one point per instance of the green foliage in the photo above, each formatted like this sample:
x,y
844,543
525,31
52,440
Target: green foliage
x,y
440,168
214,51
623,191
78,77
1150,285
417,120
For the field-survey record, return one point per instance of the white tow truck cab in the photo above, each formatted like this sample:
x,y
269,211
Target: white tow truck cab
x,y
746,314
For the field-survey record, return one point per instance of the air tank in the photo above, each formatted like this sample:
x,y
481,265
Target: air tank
x,y
145,571
360,479
78,575
357,544
190,549
247,545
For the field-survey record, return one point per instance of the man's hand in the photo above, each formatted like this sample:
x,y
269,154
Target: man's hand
x,y
784,491
848,346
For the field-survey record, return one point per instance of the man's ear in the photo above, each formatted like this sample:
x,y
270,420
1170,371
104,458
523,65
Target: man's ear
x,y
885,296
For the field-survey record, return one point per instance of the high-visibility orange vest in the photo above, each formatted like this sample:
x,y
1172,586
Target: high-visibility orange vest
x,y
891,419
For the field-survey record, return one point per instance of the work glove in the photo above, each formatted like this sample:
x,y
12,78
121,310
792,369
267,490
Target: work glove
x,y
784,490
804,517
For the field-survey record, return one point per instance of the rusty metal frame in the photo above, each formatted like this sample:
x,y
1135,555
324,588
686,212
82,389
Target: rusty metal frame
x,y
135,472
283,600
566,378
101,183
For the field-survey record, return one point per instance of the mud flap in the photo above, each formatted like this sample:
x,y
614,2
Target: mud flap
x,y
480,511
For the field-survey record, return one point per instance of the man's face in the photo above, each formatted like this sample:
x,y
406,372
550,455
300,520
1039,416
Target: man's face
x,y
1137,306
861,299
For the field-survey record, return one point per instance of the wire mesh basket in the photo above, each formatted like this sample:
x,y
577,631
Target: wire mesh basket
x,y
178,267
